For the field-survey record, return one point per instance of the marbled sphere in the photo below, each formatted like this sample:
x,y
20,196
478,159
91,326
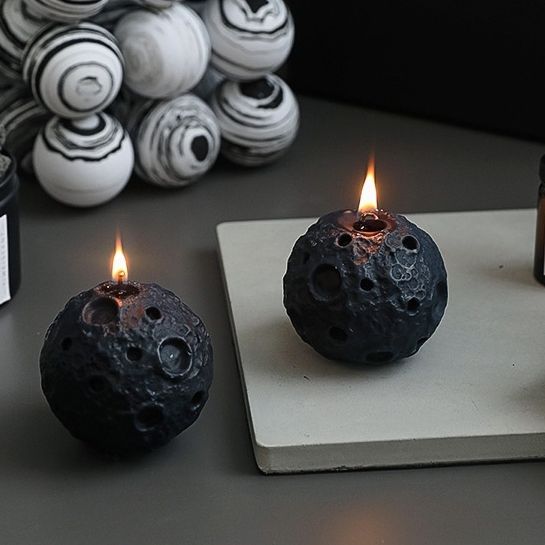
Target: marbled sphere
x,y
258,119
362,297
22,118
67,11
250,38
83,162
166,51
176,141
17,26
126,369
74,70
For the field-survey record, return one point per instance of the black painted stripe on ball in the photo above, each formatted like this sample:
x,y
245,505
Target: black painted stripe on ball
x,y
10,35
54,149
234,113
28,14
51,32
229,24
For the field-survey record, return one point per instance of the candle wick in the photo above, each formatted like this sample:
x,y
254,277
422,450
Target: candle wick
x,y
120,277
366,216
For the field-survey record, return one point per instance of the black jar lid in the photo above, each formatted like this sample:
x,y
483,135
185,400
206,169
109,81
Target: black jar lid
x,y
9,182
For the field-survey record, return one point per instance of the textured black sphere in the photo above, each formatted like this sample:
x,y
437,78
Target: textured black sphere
x,y
366,293
126,367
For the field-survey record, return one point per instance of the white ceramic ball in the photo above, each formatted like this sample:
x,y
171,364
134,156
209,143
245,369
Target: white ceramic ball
x,y
67,11
17,27
74,70
84,162
258,120
166,51
250,38
176,141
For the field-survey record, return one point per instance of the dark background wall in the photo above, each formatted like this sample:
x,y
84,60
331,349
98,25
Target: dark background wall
x,y
478,63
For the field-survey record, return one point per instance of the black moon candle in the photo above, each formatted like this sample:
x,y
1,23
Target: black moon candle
x,y
365,286
126,366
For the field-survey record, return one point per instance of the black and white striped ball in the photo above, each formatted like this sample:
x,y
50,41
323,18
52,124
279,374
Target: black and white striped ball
x,y
67,11
250,38
166,51
17,27
176,141
258,119
74,70
21,118
83,162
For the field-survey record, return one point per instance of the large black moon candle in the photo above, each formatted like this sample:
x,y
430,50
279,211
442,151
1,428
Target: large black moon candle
x,y
366,285
126,366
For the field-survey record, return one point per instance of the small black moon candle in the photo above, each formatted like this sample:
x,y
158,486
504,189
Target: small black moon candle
x,y
126,366
365,286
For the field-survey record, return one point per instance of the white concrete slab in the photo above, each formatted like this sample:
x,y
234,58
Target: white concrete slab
x,y
475,391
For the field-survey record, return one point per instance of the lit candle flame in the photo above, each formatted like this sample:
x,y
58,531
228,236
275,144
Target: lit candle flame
x,y
120,272
368,200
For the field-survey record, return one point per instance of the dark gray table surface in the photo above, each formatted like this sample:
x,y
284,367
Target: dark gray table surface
x,y
204,487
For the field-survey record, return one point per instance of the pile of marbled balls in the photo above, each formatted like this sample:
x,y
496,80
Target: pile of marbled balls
x,y
92,89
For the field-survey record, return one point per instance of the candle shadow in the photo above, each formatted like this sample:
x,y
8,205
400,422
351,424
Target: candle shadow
x,y
297,360
37,442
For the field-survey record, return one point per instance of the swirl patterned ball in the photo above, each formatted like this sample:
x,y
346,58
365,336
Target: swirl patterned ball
x,y
83,162
176,141
17,27
74,71
258,120
22,118
67,11
166,51
250,38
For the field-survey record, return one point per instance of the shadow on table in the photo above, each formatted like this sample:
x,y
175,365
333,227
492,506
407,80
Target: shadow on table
x,y
37,442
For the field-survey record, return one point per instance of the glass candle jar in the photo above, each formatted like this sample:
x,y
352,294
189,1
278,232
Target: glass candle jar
x,y
10,260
